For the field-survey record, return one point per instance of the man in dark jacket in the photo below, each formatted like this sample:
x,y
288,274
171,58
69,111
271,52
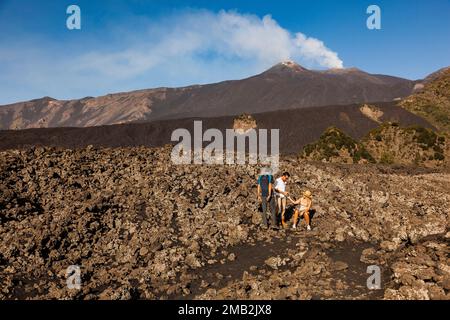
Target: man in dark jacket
x,y
266,198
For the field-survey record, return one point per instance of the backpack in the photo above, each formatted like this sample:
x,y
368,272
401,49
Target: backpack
x,y
264,182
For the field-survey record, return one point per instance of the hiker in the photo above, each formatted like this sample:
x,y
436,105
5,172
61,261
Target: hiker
x,y
281,194
265,196
303,208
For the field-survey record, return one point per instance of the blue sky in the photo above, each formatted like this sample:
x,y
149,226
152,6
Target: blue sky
x,y
128,45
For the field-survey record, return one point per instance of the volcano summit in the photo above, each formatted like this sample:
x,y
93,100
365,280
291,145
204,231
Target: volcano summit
x,y
285,86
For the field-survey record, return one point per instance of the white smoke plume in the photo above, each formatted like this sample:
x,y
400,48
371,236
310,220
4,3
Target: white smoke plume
x,y
222,38
187,47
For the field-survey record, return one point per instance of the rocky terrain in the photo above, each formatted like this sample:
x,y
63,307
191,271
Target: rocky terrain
x,y
108,199
284,86
142,228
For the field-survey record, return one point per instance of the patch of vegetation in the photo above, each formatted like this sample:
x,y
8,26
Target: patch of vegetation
x,y
378,132
439,156
426,138
433,102
388,144
362,153
417,159
245,117
334,140
387,158
437,113
244,122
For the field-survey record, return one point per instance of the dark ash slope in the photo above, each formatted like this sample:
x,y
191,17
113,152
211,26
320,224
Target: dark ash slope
x,y
297,128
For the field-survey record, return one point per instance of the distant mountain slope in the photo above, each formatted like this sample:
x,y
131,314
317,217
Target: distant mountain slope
x,y
297,128
432,102
284,86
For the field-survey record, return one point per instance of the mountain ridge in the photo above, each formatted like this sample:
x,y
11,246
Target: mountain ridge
x,y
286,85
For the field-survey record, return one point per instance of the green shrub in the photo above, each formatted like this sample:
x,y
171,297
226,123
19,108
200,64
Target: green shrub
x,y
244,116
417,159
387,158
362,153
439,156
308,149
425,137
332,141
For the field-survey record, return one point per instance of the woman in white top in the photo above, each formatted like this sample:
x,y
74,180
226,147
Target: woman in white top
x,y
304,205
